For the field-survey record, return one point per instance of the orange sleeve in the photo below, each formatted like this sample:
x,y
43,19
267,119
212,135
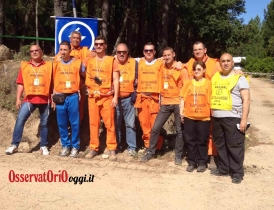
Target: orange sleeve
x,y
183,77
115,65
217,68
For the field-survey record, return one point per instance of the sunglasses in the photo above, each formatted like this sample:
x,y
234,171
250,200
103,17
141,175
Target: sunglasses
x,y
99,44
148,50
120,52
31,51
198,69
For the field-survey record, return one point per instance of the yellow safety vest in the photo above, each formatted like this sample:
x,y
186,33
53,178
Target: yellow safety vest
x,y
221,91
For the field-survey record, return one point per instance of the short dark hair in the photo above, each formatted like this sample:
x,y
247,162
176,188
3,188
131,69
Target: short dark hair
x,y
66,43
198,42
168,48
101,37
150,43
201,63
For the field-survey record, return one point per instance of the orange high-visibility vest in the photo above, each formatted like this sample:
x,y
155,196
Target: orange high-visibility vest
x,y
66,77
196,99
36,79
103,70
80,53
171,78
127,75
212,66
149,77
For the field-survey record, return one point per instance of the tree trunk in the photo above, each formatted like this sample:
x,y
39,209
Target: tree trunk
x,y
105,16
129,26
141,28
58,8
165,24
1,19
122,30
36,22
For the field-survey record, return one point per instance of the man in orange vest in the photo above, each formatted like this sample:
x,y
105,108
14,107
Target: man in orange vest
x,y
81,53
171,82
66,96
34,79
230,104
212,66
148,90
102,81
128,68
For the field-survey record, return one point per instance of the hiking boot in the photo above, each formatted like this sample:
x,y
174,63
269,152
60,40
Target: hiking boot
x,y
74,153
44,150
105,155
216,172
12,149
132,152
201,169
112,155
65,152
237,180
91,154
190,168
148,156
178,161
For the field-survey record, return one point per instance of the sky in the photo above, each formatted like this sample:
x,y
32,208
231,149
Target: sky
x,y
253,8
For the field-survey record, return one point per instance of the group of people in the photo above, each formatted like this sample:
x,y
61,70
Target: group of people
x,y
205,95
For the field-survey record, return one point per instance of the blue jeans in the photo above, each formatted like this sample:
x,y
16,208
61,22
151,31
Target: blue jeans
x,y
23,115
126,109
162,116
68,113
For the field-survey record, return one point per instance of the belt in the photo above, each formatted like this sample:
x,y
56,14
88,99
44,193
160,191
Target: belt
x,y
69,94
124,97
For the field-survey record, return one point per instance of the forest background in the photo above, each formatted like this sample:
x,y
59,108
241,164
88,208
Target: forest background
x,y
174,23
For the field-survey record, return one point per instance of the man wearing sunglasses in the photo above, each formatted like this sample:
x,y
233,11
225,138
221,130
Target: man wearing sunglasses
x,y
128,69
148,90
34,79
102,81
171,81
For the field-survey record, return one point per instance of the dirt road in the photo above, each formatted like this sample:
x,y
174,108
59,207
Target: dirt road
x,y
159,184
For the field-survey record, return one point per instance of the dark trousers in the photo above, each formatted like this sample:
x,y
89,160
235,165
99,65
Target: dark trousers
x,y
196,135
162,116
230,145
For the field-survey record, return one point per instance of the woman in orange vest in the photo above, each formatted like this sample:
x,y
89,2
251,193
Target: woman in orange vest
x,y
195,114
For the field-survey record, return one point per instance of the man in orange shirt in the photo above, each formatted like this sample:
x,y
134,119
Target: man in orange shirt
x,y
148,90
128,68
102,81
66,96
34,79
212,66
171,83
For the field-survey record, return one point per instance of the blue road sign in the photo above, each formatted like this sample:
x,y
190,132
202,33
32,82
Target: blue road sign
x,y
88,27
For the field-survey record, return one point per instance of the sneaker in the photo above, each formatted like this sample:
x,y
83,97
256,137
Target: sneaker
x,y
74,153
91,154
105,155
144,150
178,161
65,152
237,180
190,168
112,155
148,156
11,150
216,172
132,152
44,150
201,169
